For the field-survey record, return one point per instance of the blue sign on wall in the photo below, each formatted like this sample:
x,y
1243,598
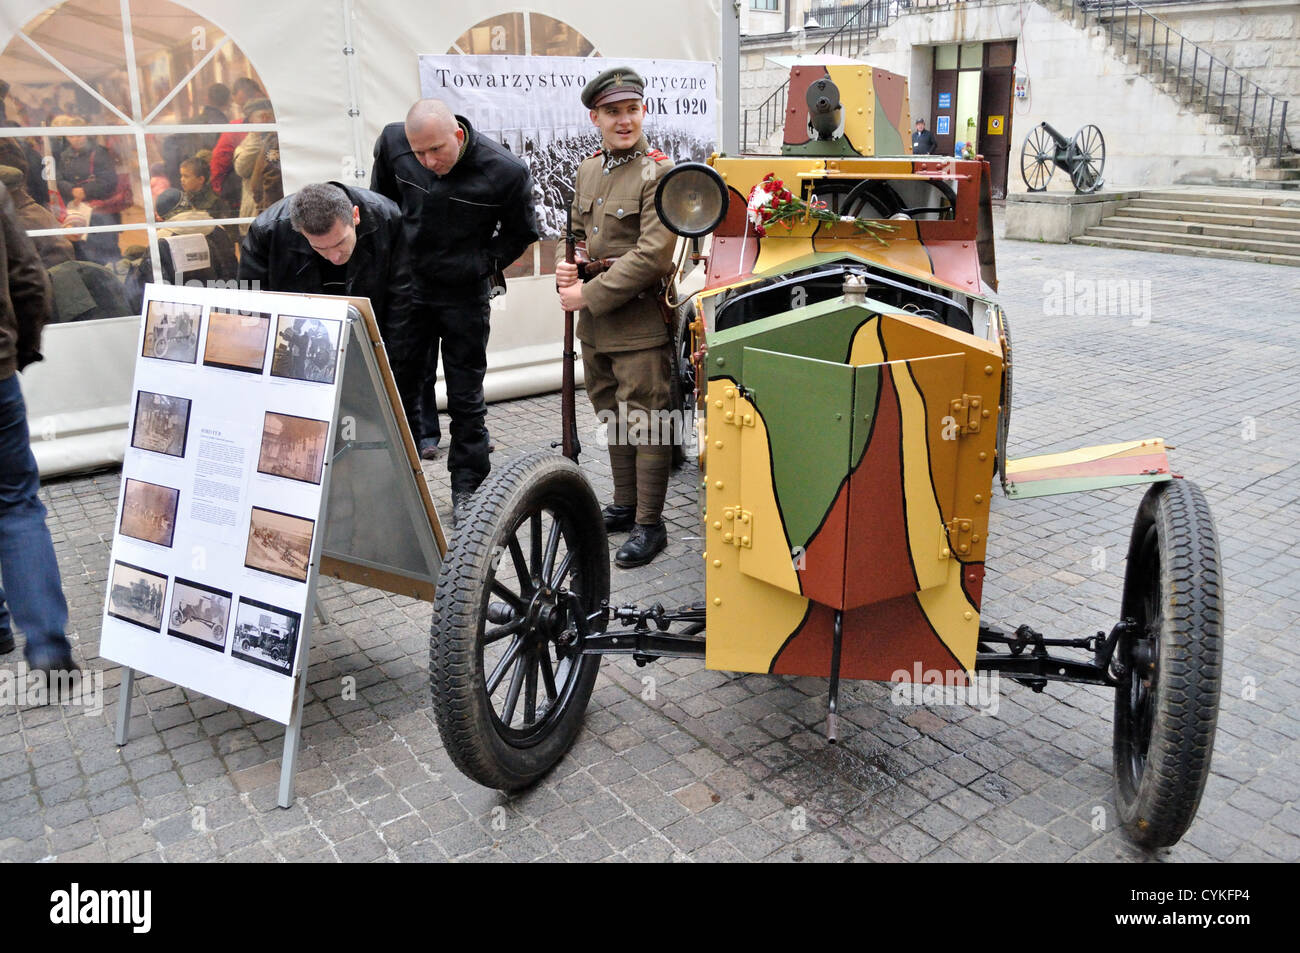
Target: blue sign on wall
x,y
941,128
945,100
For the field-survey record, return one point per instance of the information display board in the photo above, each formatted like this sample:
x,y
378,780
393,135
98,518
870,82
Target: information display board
x,y
221,506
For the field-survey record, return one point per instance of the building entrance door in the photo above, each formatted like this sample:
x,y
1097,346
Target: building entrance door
x,y
995,111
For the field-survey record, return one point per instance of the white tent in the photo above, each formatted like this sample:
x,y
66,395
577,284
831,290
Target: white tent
x,y
336,73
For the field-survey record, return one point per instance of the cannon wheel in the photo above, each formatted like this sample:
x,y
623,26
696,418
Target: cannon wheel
x,y
162,343
219,632
1087,158
1037,159
245,645
178,617
1167,700
509,684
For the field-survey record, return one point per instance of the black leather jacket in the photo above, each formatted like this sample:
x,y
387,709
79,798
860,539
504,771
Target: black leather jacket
x,y
281,259
462,226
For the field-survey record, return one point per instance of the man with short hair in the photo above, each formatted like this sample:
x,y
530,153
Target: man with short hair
x,y
923,143
28,566
467,203
626,345
336,239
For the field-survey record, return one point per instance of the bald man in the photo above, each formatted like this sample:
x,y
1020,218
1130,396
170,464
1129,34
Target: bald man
x,y
467,208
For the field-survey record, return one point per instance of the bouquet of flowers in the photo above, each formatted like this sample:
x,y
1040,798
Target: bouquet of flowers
x,y
771,203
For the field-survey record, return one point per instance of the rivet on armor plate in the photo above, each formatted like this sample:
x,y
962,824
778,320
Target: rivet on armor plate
x,y
718,485
963,548
983,455
717,602
726,537
731,393
975,538
984,413
729,515
944,552
717,563
718,404
968,616
722,362
744,540
988,368
717,524
718,444
979,498
749,419
731,415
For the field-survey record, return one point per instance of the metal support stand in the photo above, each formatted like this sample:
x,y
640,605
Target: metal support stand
x,y
832,714
292,739
125,690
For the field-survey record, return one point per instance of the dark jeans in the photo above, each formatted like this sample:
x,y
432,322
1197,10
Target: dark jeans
x,y
425,424
460,327
27,562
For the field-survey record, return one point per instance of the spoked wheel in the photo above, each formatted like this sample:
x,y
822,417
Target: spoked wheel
x,y
1087,158
510,684
1037,159
1171,667
682,383
161,345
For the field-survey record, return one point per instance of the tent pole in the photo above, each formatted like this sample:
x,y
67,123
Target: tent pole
x,y
359,169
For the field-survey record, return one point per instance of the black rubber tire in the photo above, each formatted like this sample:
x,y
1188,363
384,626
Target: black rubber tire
x,y
480,744
1164,729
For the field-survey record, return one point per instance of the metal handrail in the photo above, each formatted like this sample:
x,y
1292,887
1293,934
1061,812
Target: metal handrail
x,y
866,21
1151,38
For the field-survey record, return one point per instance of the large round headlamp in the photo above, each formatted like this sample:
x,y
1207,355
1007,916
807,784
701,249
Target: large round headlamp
x,y
691,199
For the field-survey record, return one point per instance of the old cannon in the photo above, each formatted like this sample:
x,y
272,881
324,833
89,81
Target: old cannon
x,y
1082,158
852,374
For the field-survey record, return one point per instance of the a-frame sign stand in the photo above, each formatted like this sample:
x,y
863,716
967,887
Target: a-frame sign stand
x,y
375,520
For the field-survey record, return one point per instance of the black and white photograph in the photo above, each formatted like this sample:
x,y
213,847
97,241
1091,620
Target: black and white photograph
x,y
199,614
236,341
136,595
149,512
279,543
265,635
161,423
551,131
293,447
171,331
306,349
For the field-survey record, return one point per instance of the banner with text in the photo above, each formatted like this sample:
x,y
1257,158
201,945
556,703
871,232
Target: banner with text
x,y
531,105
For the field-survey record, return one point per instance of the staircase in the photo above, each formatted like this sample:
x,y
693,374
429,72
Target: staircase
x,y
1237,224
1245,112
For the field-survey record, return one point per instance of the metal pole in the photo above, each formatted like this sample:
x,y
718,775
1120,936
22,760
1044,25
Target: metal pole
x,y
730,72
1268,139
1281,134
124,692
1164,64
1196,56
1178,73
1252,111
1209,77
1125,49
1241,86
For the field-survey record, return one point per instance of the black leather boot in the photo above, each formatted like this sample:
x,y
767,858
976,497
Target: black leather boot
x,y
642,546
619,519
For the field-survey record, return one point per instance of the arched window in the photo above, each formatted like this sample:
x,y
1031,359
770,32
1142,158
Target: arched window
x,y
139,143
553,163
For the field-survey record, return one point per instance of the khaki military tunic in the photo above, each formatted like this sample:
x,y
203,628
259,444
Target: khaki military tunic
x,y
614,213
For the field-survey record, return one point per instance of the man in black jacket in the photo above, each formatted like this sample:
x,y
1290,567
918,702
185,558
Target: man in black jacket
x,y
336,239
468,208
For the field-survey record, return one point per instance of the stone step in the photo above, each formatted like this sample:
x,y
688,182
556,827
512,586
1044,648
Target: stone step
x,y
1251,198
1245,184
1233,232
1169,248
1277,175
1109,229
1246,215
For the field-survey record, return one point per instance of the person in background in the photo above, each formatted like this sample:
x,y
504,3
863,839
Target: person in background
x,y
20,154
87,173
197,194
923,143
467,204
224,182
53,249
214,113
257,163
33,591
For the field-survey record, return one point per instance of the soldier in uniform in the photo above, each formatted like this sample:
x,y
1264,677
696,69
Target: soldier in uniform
x,y
625,342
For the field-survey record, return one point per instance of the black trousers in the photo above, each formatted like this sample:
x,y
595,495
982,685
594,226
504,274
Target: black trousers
x,y
459,326
427,426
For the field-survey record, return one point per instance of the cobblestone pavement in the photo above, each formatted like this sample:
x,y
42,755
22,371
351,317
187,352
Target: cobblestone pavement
x,y
735,767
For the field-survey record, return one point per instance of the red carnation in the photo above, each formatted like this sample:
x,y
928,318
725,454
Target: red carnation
x,y
778,184
760,231
786,196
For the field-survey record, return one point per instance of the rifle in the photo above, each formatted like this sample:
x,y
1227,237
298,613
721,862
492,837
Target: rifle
x,y
570,446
